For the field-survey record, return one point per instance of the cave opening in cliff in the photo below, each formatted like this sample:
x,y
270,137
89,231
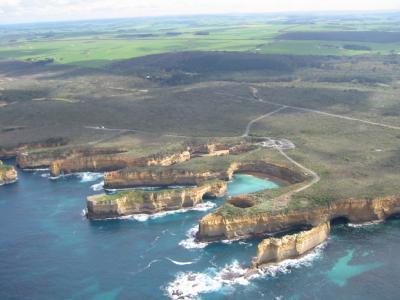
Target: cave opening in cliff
x,y
241,202
293,230
395,216
341,220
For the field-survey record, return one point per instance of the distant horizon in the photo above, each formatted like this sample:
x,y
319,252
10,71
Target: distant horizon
x,y
46,11
278,13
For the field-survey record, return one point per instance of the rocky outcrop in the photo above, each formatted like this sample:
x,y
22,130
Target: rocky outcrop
x,y
157,178
102,163
272,250
7,153
137,177
149,202
210,150
166,159
44,158
215,226
90,162
8,174
218,149
21,148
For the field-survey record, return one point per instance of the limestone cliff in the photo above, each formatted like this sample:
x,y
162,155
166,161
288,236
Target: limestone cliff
x,y
23,147
272,250
128,178
148,177
215,226
112,162
8,174
149,202
95,163
44,158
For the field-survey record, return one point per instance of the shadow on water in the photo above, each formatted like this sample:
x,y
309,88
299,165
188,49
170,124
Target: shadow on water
x,y
340,221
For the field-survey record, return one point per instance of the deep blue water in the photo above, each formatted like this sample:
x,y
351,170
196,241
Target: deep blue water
x,y
49,251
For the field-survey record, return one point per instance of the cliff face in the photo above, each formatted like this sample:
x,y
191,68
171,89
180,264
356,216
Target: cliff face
x,y
87,164
8,174
167,159
43,159
149,202
281,172
90,162
215,227
48,143
272,250
168,177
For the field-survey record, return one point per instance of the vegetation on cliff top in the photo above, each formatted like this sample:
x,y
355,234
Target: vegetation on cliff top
x,y
141,196
5,167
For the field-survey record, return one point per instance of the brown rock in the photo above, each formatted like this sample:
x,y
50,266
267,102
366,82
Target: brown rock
x,y
273,250
149,202
215,227
8,174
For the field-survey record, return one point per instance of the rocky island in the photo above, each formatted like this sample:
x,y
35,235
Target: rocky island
x,y
8,174
132,202
273,250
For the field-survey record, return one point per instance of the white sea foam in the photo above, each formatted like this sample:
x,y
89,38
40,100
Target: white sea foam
x,y
89,176
288,265
190,241
150,188
190,285
246,244
9,182
36,170
146,267
180,263
97,186
45,175
180,186
144,217
364,224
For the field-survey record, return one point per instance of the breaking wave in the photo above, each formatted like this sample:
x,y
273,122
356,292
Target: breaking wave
x,y
190,242
180,263
97,186
89,176
364,224
144,217
36,170
286,266
189,285
83,176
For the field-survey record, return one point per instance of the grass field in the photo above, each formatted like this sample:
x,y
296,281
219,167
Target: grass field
x,y
97,43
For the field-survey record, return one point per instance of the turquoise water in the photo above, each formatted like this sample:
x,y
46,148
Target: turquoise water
x,y
243,184
49,251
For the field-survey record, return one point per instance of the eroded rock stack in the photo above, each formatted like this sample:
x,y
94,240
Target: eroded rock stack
x,y
8,174
272,250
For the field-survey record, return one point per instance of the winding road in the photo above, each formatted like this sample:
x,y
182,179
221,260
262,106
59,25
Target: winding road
x,y
255,96
248,126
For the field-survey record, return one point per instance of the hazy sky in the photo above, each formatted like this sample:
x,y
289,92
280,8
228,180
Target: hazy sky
x,y
15,11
